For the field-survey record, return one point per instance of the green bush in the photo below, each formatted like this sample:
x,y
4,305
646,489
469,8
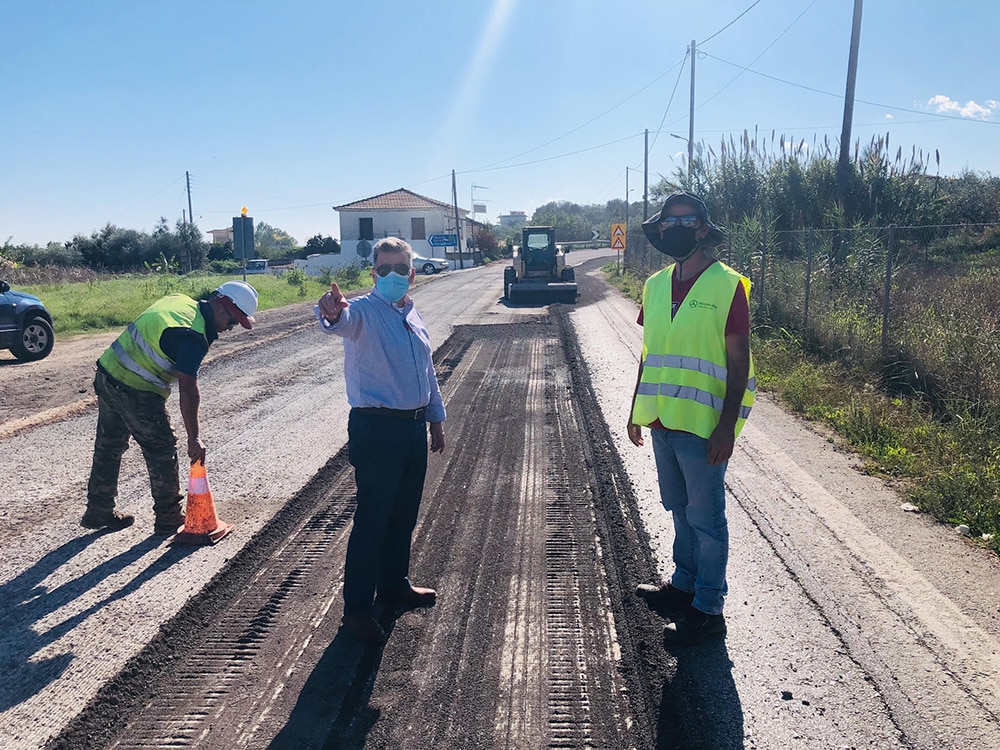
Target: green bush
x,y
297,278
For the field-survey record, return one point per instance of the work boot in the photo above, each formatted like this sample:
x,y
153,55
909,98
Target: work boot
x,y
694,627
664,598
168,523
111,520
365,628
409,597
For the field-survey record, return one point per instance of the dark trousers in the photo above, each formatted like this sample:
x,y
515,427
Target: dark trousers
x,y
123,412
389,457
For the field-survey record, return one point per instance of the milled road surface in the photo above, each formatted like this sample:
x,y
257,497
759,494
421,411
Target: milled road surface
x,y
851,623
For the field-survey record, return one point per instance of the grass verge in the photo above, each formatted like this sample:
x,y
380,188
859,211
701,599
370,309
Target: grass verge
x,y
113,302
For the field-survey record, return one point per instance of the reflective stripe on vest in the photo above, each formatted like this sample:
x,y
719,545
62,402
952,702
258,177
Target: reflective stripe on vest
x,y
131,365
135,358
692,394
683,382
694,363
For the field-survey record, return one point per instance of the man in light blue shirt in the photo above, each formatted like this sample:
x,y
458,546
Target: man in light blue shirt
x,y
393,392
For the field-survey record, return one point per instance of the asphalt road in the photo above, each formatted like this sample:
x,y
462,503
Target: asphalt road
x,y
851,623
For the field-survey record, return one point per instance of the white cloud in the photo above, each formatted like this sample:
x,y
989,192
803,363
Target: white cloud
x,y
889,117
971,109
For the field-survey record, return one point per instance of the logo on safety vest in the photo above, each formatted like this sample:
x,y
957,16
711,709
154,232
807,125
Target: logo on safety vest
x,y
703,305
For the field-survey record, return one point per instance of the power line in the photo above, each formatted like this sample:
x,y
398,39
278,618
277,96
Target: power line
x,y
748,69
671,101
549,158
150,197
494,166
200,181
763,52
588,122
730,23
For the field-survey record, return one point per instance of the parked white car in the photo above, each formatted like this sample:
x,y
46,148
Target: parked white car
x,y
430,265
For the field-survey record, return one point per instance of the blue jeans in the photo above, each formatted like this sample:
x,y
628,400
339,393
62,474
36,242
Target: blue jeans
x,y
389,456
695,493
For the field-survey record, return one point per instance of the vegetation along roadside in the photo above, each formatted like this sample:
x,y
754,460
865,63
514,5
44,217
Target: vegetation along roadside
x,y
944,463
108,302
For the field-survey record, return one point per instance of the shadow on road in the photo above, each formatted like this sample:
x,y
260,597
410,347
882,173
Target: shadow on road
x,y
333,708
700,707
27,602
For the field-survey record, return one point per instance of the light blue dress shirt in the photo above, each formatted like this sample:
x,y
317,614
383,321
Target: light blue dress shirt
x,y
387,355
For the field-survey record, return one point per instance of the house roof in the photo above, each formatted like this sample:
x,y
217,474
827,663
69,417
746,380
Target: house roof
x,y
395,200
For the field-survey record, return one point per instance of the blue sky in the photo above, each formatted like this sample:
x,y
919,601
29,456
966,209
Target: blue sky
x,y
296,106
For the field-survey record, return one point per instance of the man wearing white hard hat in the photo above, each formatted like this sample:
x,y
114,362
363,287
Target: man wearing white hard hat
x,y
166,343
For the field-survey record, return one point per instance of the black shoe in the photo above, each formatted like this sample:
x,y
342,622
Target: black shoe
x,y
410,597
664,597
694,627
365,628
168,523
111,520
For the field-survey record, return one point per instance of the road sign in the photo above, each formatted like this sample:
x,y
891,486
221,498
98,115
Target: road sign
x,y
618,236
596,235
443,240
243,245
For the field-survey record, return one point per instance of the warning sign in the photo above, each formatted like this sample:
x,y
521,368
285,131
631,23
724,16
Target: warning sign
x,y
618,236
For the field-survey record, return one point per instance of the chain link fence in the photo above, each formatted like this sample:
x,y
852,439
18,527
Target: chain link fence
x,y
915,304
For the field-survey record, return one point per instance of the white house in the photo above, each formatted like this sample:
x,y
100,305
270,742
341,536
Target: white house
x,y
412,217
513,220
221,236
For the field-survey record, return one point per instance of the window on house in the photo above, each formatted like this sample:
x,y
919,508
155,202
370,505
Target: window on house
x,y
366,229
417,231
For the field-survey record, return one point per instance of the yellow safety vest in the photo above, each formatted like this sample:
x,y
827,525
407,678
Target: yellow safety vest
x,y
135,357
683,382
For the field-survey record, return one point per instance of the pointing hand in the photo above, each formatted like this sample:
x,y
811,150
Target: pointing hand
x,y
332,304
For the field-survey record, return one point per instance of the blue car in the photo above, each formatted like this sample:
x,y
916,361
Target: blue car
x,y
25,325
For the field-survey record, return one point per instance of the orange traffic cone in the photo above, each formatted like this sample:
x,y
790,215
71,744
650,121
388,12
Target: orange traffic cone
x,y
201,524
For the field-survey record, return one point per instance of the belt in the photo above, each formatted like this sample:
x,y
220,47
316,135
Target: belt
x,y
396,413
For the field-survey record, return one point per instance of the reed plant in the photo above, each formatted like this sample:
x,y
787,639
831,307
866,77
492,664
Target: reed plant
x,y
874,315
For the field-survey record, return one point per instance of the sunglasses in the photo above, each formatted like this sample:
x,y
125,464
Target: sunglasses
x,y
400,268
688,222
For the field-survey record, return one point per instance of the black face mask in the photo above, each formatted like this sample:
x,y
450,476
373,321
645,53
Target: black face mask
x,y
679,243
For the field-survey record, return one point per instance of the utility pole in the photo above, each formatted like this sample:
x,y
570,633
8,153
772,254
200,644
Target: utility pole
x,y
187,176
458,233
843,167
626,200
626,219
691,120
645,178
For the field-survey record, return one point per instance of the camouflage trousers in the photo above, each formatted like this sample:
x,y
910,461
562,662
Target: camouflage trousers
x,y
124,412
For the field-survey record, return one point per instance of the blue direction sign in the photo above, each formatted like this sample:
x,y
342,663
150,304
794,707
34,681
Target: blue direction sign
x,y
443,240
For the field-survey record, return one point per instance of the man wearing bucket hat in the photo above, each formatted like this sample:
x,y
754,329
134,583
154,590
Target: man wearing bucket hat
x,y
134,377
694,390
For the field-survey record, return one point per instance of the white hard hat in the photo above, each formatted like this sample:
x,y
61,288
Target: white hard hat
x,y
243,298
